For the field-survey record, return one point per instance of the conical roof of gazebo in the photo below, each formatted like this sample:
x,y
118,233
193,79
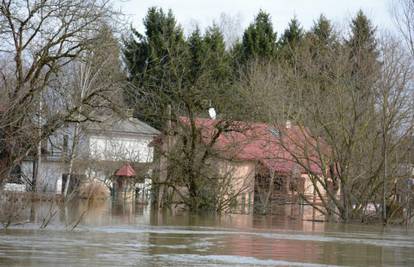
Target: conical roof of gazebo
x,y
126,171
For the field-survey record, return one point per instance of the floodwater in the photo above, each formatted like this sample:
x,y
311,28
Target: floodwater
x,y
126,234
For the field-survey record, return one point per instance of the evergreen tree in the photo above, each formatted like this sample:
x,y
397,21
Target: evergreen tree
x,y
136,54
293,35
321,45
217,60
218,70
196,47
291,40
362,37
259,39
362,44
322,41
322,33
166,69
152,62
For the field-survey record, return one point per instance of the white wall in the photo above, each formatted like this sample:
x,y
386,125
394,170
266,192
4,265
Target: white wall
x,y
120,148
92,146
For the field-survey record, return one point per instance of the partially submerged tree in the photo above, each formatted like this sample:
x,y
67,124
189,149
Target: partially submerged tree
x,y
199,174
97,71
37,40
353,137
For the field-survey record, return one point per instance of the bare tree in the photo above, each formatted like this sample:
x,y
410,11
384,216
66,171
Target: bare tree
x,y
97,72
403,13
347,141
231,28
200,170
38,39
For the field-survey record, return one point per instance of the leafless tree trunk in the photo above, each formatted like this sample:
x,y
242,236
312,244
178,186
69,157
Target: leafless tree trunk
x,y
38,39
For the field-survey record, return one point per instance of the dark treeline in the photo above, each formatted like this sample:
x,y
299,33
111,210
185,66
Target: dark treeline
x,y
162,59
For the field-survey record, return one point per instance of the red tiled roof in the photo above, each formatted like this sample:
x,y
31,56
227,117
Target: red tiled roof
x,y
277,148
126,171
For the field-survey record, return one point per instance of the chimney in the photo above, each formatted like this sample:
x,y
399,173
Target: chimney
x,y
288,124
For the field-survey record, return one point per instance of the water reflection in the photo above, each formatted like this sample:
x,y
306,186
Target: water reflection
x,y
125,233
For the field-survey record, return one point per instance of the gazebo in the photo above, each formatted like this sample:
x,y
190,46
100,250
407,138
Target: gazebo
x,y
123,183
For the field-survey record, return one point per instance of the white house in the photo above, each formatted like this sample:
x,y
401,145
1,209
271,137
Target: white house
x,y
100,149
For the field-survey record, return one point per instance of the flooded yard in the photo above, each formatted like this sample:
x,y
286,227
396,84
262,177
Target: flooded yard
x,y
128,234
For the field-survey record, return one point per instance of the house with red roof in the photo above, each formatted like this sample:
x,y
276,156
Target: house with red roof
x,y
266,160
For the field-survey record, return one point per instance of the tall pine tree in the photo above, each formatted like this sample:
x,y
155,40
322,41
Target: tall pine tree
x,y
290,40
259,39
322,42
362,45
293,34
197,49
322,33
321,45
152,61
217,59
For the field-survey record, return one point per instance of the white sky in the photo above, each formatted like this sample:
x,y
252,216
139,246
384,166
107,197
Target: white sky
x,y
188,12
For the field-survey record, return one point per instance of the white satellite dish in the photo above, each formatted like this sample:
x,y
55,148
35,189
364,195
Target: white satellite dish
x,y
212,113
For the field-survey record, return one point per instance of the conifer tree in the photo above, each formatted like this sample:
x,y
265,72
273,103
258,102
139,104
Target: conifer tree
x,y
196,47
321,44
149,60
217,60
291,40
293,34
322,33
259,39
362,44
362,38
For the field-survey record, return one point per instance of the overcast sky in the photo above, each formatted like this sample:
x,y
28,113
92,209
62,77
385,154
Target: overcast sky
x,y
204,12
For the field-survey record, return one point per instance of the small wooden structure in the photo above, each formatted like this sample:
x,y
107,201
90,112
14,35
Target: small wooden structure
x,y
123,183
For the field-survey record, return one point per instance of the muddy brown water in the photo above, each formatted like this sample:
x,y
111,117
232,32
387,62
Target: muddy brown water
x,y
126,234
